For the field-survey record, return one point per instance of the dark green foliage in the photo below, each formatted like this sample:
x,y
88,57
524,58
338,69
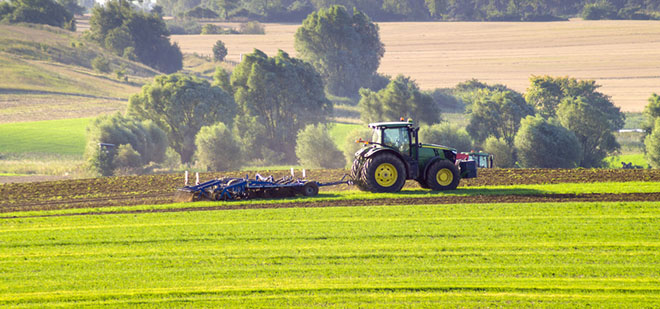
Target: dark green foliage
x,y
200,12
651,113
219,51
420,10
217,150
126,157
315,148
144,137
496,113
652,143
592,128
100,64
448,135
46,12
503,154
344,48
542,143
177,26
221,79
599,10
401,98
446,101
72,6
146,32
281,93
546,92
181,105
251,27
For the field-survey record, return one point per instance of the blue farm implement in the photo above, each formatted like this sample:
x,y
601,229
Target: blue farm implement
x,y
230,189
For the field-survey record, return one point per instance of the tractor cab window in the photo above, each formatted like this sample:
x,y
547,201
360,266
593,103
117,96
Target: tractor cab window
x,y
397,138
375,138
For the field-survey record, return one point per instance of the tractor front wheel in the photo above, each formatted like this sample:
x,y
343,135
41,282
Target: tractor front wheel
x,y
383,173
442,175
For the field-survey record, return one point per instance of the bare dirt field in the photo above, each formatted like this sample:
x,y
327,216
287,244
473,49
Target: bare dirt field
x,y
160,189
622,56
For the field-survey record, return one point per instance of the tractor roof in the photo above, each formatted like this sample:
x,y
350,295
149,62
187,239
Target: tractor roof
x,y
393,124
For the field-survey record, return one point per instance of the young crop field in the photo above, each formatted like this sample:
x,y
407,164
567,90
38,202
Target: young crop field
x,y
483,255
65,136
515,238
622,56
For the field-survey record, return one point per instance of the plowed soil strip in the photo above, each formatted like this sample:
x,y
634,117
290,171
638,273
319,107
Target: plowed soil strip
x,y
478,199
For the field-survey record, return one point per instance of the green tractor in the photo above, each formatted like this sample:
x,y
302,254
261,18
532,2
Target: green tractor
x,y
394,154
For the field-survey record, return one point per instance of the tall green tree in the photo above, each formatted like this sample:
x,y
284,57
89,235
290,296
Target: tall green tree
x,y
497,113
281,94
546,92
592,128
117,26
651,113
181,105
401,98
46,12
344,48
542,143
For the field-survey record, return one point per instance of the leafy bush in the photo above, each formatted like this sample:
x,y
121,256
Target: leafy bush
x,y
200,12
219,51
315,148
144,137
503,155
100,64
448,135
541,143
46,12
217,150
178,26
252,27
652,143
351,147
126,157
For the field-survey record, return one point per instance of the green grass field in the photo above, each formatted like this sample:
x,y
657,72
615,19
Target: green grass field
x,y
62,137
485,255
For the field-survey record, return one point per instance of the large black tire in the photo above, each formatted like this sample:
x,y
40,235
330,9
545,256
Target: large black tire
x,y
383,173
442,175
355,175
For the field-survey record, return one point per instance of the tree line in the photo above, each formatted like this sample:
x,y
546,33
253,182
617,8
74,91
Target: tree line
x,y
417,10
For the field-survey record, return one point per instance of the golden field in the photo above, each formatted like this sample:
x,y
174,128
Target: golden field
x,y
622,56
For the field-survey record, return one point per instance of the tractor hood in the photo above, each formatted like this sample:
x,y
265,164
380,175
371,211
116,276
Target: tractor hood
x,y
434,146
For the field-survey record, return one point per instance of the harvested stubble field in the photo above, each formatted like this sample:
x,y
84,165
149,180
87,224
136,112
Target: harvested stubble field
x,y
464,248
489,187
622,56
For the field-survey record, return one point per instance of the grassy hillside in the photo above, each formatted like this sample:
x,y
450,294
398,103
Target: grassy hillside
x,y
47,74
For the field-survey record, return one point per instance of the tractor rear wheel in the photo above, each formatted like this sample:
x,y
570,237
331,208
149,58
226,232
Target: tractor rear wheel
x,y
442,175
355,175
383,173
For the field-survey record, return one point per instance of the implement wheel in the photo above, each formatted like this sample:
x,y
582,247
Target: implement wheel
x,y
383,173
310,189
442,175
